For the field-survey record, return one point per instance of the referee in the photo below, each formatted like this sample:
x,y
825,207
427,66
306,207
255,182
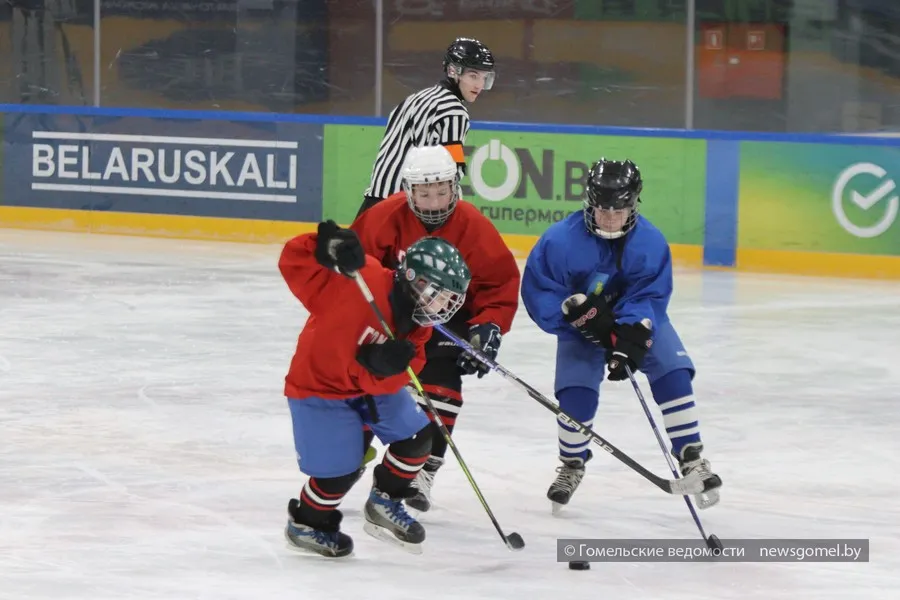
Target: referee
x,y
434,116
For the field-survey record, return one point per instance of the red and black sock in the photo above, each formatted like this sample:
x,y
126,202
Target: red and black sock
x,y
402,462
320,497
448,403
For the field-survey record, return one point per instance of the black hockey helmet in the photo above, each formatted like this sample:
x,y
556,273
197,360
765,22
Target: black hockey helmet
x,y
612,185
469,53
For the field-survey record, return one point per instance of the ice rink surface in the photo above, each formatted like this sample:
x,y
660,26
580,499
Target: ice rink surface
x,y
146,451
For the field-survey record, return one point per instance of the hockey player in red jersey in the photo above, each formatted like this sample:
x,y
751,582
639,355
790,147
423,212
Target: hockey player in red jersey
x,y
430,205
347,373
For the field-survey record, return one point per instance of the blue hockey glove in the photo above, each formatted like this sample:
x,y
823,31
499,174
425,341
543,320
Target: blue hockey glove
x,y
591,316
630,345
485,338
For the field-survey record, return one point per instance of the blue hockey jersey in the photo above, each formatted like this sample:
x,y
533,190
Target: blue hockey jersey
x,y
633,272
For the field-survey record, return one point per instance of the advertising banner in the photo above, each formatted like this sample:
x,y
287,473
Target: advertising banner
x,y
3,151
232,169
819,198
349,152
526,181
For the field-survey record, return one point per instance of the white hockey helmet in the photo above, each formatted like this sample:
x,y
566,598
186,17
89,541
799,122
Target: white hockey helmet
x,y
424,167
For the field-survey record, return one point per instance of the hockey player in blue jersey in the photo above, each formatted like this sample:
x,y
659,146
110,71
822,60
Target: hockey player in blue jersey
x,y
601,280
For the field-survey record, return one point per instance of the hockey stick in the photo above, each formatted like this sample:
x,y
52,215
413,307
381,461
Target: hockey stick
x,y
712,541
692,484
513,541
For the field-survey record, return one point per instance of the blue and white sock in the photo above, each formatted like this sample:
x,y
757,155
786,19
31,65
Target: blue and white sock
x,y
580,403
674,394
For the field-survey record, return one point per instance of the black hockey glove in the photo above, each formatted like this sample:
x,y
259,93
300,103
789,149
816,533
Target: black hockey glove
x,y
387,359
630,345
591,316
339,249
485,338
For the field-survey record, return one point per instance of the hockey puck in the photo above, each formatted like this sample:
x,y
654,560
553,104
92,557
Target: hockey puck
x,y
714,543
579,565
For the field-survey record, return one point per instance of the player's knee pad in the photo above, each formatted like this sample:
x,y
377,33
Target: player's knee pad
x,y
415,446
402,462
333,486
578,364
579,402
672,386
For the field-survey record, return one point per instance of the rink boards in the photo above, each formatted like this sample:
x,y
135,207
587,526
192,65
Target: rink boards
x,y
803,204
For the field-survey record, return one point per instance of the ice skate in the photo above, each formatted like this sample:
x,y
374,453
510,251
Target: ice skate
x,y
569,477
387,520
423,483
691,462
325,539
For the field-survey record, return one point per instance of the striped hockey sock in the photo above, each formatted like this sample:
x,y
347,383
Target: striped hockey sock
x,y
448,403
674,395
581,403
320,497
398,469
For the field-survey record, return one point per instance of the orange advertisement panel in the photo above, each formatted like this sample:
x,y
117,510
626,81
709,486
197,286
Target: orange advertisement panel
x,y
741,61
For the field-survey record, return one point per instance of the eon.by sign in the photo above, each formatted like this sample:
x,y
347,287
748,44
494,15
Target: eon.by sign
x,y
495,150
536,173
865,201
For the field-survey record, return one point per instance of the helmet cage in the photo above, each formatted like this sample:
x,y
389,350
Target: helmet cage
x,y
436,216
613,193
602,201
436,277
433,304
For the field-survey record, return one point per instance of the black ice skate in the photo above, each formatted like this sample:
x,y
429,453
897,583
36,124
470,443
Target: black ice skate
x,y
691,462
569,477
387,520
325,538
423,483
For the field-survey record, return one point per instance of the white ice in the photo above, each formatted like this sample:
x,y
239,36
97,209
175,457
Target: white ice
x,y
146,451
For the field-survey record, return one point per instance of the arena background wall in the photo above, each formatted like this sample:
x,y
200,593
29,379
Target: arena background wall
x,y
789,203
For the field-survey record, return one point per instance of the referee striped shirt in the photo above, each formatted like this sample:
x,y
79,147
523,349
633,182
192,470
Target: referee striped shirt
x,y
431,117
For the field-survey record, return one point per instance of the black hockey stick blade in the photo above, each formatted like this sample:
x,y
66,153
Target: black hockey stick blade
x,y
514,541
692,484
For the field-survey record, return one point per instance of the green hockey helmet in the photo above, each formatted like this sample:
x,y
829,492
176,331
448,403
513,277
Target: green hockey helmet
x,y
437,277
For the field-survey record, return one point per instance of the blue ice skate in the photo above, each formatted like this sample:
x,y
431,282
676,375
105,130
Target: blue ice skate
x,y
325,539
387,520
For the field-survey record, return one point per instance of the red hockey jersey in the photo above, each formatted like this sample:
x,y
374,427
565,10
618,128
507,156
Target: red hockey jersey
x,y
387,229
340,320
